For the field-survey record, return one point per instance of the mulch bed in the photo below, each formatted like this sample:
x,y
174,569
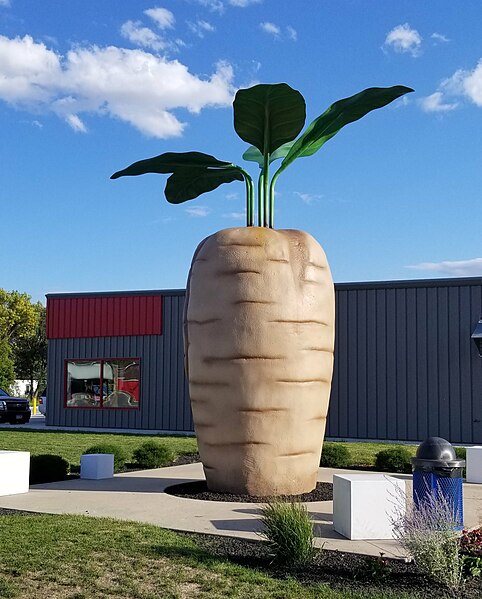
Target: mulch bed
x,y
342,571
199,490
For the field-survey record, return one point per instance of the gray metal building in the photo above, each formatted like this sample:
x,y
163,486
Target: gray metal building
x,y
405,364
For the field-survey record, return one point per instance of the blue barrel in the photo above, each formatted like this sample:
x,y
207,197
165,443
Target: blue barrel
x,y
438,473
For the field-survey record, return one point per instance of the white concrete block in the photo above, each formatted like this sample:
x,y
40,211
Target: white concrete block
x,y
14,472
95,466
473,464
364,505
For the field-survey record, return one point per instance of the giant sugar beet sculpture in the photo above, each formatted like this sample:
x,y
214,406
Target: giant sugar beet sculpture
x,y
259,313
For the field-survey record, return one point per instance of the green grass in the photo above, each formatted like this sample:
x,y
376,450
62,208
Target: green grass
x,y
363,454
77,557
71,445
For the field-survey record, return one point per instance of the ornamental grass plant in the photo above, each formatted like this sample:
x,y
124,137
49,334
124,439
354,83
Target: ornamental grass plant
x,y
288,528
428,532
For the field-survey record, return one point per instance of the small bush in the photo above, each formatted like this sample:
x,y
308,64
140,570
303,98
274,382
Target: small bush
x,y
120,456
460,453
47,468
335,455
428,533
289,531
152,454
394,459
471,550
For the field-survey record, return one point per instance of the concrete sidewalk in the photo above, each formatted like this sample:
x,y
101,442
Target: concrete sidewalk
x,y
139,496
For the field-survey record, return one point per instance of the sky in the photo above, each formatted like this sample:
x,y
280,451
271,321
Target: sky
x,y
87,88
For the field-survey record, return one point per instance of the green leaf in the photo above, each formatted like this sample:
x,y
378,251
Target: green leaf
x,y
187,183
254,155
169,162
338,115
267,116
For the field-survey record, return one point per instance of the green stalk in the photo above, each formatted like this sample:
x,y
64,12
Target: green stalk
x,y
249,196
260,199
271,198
266,189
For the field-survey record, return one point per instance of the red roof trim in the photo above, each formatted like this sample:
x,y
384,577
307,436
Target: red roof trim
x,y
104,316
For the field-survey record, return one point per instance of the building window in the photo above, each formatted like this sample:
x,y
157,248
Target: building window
x,y
102,383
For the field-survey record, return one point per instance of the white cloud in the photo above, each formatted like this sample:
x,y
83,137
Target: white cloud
x,y
308,198
163,18
212,5
198,211
77,125
270,28
200,28
4,2
136,33
467,83
243,3
435,103
455,268
235,215
133,86
440,38
291,33
403,38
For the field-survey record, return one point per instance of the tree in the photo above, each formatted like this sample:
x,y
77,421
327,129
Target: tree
x,y
23,344
7,372
30,353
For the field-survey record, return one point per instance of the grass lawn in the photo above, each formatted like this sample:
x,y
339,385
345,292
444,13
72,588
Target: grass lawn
x,y
72,445
77,557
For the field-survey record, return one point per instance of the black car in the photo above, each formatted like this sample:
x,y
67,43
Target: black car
x,y
13,409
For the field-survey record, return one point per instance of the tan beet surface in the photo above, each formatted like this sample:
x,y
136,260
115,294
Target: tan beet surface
x,y
259,336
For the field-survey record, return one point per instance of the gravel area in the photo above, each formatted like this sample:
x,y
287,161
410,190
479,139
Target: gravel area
x,y
199,490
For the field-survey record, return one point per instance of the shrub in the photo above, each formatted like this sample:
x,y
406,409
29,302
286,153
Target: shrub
x,y
394,459
120,456
471,550
152,454
335,455
428,533
460,453
47,468
288,528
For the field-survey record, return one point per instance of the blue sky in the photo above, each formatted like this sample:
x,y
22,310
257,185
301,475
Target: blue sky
x,y
87,88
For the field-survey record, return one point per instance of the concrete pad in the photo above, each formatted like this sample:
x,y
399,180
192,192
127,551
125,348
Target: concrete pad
x,y
139,496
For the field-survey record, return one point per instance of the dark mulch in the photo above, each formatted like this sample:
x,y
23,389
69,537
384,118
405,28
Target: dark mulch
x,y
199,490
343,571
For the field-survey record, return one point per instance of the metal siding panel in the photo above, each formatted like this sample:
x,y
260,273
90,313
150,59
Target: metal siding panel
x,y
174,347
476,369
401,363
343,365
381,353
362,357
454,316
432,363
391,357
166,373
179,369
422,367
412,424
352,373
372,388
445,424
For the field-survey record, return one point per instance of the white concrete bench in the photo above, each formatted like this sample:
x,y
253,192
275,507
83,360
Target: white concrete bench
x,y
95,466
14,472
473,464
364,505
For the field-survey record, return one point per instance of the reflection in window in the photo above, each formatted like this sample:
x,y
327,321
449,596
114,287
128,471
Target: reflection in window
x,y
103,383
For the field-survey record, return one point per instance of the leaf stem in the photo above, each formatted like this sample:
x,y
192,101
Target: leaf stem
x,y
266,190
249,196
260,199
271,199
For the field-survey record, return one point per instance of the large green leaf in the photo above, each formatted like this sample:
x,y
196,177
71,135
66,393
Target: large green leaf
x,y
187,183
169,162
267,116
254,155
338,115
